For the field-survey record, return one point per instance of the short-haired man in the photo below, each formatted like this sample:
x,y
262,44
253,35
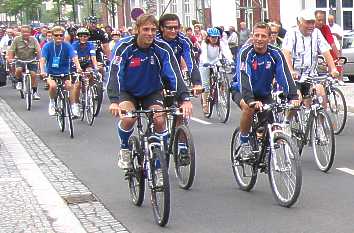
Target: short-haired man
x,y
138,65
25,47
57,56
258,63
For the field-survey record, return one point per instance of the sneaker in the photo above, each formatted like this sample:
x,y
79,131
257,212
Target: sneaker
x,y
36,96
159,177
19,86
246,152
51,109
75,110
124,159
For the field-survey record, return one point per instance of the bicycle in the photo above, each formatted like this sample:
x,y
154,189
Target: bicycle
x,y
62,102
26,91
181,144
219,94
97,92
148,162
272,153
87,98
314,125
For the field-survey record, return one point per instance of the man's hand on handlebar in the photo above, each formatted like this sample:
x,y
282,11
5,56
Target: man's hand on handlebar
x,y
256,105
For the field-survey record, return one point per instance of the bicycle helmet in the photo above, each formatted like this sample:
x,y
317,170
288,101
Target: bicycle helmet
x,y
83,31
214,32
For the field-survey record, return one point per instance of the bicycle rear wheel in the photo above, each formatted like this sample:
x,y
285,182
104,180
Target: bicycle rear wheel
x,y
223,101
69,117
135,175
338,109
184,156
244,172
285,175
90,105
323,141
160,191
27,91
60,112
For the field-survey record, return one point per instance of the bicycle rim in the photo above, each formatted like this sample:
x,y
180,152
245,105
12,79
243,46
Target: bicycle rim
x,y
136,179
28,92
160,195
323,141
284,168
90,106
82,104
244,173
223,103
69,118
184,158
338,109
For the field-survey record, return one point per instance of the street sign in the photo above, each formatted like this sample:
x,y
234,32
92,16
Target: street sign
x,y
136,12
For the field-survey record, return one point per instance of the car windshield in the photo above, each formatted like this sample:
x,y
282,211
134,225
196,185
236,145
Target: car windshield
x,y
348,42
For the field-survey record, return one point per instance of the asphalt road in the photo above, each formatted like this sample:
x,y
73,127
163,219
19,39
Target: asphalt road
x,y
214,204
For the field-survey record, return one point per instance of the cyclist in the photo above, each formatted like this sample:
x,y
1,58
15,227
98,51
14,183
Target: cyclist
x,y
211,51
25,47
258,63
56,58
301,47
169,26
99,38
85,50
138,65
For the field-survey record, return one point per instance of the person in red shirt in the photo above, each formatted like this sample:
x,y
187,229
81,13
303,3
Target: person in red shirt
x,y
326,32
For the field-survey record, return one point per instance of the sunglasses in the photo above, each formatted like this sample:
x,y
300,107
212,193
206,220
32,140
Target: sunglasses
x,y
58,35
170,28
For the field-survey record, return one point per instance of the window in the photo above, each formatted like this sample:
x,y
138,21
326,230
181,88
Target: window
x,y
161,6
332,3
347,20
347,3
186,7
187,20
173,8
321,3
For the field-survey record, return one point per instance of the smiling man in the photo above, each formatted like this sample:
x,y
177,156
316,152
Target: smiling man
x,y
257,66
138,65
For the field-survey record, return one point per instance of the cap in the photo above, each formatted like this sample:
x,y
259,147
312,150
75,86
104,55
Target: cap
x,y
306,15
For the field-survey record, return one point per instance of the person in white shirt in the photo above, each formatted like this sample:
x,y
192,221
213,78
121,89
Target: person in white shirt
x,y
336,30
212,49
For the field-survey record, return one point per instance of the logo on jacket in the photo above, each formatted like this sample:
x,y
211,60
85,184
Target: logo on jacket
x,y
268,65
254,65
135,62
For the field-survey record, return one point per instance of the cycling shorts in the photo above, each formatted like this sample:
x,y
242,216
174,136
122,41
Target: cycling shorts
x,y
155,98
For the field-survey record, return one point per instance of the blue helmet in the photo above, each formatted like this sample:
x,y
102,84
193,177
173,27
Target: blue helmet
x,y
213,32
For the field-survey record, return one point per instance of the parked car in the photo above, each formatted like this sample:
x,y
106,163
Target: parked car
x,y
348,52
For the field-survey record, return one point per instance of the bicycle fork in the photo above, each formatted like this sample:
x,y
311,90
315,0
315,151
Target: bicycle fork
x,y
272,149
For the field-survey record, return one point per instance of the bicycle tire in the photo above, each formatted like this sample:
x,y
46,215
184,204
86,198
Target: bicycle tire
x,y
223,107
161,210
28,91
98,94
246,183
326,163
184,167
289,162
136,179
69,117
82,101
335,108
60,112
90,106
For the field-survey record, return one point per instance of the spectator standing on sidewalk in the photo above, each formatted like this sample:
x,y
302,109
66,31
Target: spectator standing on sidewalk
x,y
233,40
244,33
336,30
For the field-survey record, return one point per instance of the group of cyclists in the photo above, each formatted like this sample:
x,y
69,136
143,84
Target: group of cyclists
x,y
148,62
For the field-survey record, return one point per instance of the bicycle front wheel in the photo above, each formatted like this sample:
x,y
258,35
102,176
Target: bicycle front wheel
x,y
285,175
223,101
98,93
135,175
69,117
184,156
60,112
90,105
244,172
323,141
160,190
338,109
28,91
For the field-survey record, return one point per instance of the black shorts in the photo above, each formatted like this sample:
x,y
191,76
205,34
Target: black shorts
x,y
304,88
237,97
145,102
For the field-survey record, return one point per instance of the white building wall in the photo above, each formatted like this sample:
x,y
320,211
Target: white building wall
x,y
223,13
289,11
